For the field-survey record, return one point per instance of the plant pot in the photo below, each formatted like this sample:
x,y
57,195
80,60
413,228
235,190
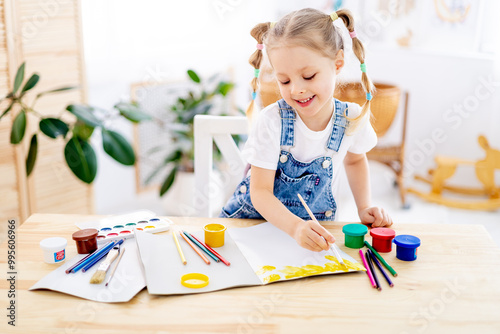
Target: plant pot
x,y
181,199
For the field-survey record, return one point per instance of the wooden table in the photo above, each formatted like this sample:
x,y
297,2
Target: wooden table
x,y
453,287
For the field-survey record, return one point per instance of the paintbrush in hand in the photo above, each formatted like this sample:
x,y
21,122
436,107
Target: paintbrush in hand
x,y
100,274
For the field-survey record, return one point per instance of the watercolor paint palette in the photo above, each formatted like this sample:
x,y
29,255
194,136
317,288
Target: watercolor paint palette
x,y
126,229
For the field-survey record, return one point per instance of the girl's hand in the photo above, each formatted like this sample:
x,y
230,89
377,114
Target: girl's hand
x,y
311,235
375,216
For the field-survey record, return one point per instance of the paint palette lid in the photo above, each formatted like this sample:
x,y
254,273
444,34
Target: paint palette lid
x,y
355,230
407,241
194,280
382,233
86,234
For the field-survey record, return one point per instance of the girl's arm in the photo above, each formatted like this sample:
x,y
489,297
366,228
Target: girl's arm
x,y
308,234
356,167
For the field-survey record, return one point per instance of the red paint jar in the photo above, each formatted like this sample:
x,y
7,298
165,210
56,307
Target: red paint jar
x,y
86,240
382,239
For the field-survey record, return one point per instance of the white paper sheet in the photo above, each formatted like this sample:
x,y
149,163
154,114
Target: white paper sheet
x,y
275,256
164,268
259,255
127,281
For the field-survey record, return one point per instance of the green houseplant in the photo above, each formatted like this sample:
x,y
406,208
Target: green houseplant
x,y
200,100
78,151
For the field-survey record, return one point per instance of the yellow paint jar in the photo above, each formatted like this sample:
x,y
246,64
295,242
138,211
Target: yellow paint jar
x,y
194,280
214,235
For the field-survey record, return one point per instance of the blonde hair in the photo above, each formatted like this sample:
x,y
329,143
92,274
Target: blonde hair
x,y
313,29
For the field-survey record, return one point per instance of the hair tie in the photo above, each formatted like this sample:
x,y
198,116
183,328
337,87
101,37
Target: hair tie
x,y
260,46
334,16
352,34
256,72
273,24
368,96
363,67
254,95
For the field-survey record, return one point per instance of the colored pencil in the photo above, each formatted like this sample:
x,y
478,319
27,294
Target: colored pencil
x,y
200,246
368,272
179,249
93,256
337,255
100,256
116,265
194,248
370,264
380,268
79,262
393,272
210,249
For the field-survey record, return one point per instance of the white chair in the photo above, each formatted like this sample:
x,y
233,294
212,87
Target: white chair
x,y
210,189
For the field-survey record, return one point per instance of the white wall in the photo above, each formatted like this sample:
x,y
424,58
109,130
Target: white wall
x,y
129,41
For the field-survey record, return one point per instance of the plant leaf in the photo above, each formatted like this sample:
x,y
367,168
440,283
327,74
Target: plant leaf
x,y
168,181
81,159
82,130
53,127
18,128
7,110
19,78
117,147
132,112
172,157
192,74
84,113
57,90
32,81
31,158
224,87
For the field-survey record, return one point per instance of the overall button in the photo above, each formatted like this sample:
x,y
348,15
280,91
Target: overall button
x,y
243,189
283,158
326,164
328,213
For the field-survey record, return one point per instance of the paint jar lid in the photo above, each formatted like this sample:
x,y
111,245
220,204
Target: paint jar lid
x,y
53,244
86,234
194,280
407,241
355,230
382,233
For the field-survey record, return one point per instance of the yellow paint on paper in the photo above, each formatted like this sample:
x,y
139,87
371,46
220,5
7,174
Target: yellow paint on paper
x,y
264,270
271,278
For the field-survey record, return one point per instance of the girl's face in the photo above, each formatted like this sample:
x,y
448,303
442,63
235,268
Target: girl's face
x,y
307,80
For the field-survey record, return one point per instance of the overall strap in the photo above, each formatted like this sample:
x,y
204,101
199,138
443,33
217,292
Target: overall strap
x,y
287,115
340,123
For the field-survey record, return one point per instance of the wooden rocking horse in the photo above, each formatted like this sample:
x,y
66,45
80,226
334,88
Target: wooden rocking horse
x,y
485,172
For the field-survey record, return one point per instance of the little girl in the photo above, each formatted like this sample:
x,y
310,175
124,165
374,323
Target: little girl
x,y
297,145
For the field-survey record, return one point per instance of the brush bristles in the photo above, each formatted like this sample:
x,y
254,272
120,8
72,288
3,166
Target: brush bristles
x,y
98,277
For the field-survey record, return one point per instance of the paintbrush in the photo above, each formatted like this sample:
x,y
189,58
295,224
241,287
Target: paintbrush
x,y
332,247
100,274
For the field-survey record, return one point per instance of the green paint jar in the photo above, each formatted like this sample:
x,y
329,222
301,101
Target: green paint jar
x,y
355,235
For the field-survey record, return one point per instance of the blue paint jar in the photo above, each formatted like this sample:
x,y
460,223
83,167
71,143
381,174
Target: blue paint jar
x,y
407,245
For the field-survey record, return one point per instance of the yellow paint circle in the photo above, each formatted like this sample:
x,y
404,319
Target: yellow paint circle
x,y
194,280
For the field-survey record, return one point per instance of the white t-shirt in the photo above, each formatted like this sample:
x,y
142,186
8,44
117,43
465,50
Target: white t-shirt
x,y
262,148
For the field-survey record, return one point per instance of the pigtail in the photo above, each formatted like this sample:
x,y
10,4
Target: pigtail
x,y
359,52
258,32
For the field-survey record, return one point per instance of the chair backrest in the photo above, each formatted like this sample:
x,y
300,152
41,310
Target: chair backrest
x,y
212,190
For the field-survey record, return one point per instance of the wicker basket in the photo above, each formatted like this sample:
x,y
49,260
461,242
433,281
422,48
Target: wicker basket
x,y
384,104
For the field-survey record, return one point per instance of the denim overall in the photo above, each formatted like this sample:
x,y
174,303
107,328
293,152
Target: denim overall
x,y
312,180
